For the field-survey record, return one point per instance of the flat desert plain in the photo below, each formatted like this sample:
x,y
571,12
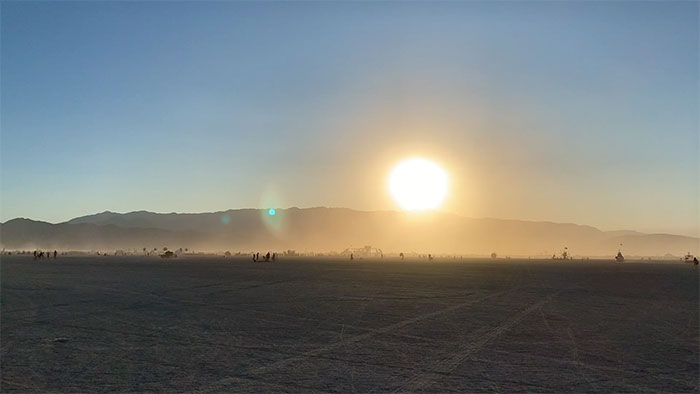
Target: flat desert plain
x,y
208,324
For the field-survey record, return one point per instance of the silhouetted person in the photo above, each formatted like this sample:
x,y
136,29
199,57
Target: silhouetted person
x,y
257,256
274,256
55,253
401,255
254,260
267,256
35,255
352,256
695,261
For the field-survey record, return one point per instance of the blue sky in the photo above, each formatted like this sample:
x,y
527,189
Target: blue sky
x,y
566,111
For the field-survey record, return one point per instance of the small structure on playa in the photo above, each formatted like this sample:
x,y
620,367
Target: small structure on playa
x,y
619,257
365,252
168,255
564,255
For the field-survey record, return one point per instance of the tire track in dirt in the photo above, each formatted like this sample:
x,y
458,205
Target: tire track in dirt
x,y
354,327
446,365
581,364
216,386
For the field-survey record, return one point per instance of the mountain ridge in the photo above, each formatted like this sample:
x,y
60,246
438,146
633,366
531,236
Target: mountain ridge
x,y
333,229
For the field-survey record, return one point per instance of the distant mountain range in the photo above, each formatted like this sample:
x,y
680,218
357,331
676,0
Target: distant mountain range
x,y
333,229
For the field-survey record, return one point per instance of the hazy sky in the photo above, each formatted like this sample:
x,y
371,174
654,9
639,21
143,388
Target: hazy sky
x,y
567,112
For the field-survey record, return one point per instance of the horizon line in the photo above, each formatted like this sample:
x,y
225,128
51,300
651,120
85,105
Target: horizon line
x,y
349,209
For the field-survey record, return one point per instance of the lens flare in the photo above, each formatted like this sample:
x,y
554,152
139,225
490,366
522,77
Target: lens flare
x,y
273,218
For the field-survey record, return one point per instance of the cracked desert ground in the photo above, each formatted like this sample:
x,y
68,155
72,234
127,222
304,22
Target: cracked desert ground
x,y
210,324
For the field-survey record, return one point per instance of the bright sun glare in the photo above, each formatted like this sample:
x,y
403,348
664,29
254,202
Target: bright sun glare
x,y
418,184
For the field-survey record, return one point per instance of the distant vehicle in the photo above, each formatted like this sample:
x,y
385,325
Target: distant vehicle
x,y
168,255
619,258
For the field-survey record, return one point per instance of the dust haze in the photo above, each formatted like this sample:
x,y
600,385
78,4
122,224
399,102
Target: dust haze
x,y
333,230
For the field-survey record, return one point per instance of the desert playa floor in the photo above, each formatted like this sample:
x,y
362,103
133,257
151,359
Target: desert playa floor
x,y
133,324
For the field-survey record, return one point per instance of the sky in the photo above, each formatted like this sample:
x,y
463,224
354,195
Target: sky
x,y
583,112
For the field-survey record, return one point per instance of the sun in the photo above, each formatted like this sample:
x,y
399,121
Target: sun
x,y
418,184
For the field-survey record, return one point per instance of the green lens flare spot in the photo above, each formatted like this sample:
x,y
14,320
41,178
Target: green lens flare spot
x,y
271,212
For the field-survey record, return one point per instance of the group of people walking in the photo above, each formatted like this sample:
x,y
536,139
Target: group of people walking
x,y
41,255
266,257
